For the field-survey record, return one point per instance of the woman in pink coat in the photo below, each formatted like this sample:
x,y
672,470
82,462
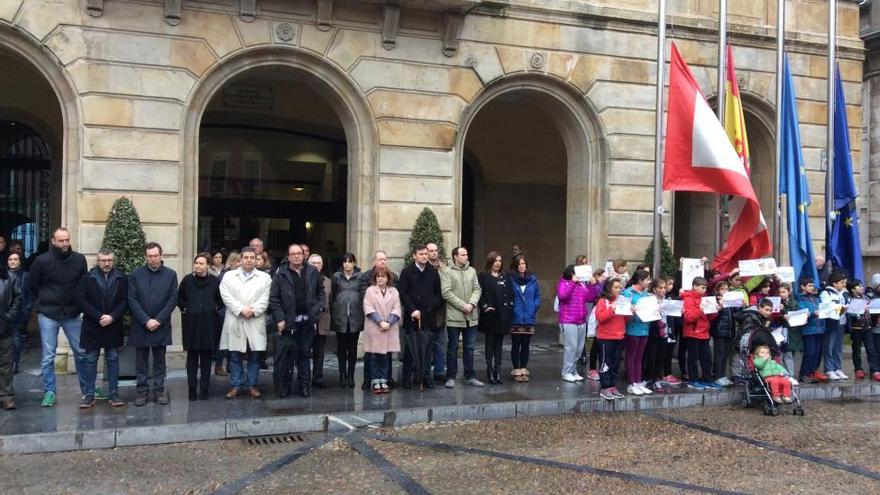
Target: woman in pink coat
x,y
381,333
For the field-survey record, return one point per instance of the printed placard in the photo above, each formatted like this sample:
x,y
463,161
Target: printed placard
x,y
829,311
583,273
857,306
648,309
763,266
777,303
798,318
732,299
785,274
671,307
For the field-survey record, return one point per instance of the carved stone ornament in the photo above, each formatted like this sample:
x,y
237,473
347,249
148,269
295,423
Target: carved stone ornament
x,y
537,61
172,12
325,15
390,23
453,22
247,10
284,31
95,8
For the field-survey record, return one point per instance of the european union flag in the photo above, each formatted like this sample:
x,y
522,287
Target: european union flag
x,y
844,250
793,184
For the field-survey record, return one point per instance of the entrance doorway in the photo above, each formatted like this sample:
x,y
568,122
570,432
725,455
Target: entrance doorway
x,y
273,164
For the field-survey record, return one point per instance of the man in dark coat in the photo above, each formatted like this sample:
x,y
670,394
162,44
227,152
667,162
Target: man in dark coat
x,y
54,280
152,295
10,300
296,300
199,301
103,299
419,288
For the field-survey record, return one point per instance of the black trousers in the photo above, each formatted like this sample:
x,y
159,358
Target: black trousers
x,y
721,349
610,352
871,342
318,344
292,350
143,372
655,358
6,357
198,369
519,350
494,346
698,351
346,353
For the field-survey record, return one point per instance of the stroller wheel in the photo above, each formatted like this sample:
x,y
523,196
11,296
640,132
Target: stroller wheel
x,y
798,411
774,411
768,410
745,403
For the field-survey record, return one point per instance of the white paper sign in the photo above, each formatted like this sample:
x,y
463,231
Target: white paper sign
x,y
690,269
798,318
785,274
763,266
829,311
874,307
709,305
623,306
609,269
777,303
671,307
780,334
732,299
857,306
583,272
648,309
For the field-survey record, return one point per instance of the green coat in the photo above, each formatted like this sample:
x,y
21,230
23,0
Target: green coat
x,y
769,367
459,286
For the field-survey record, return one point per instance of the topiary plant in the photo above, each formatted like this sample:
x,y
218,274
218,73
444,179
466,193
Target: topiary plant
x,y
668,265
425,230
125,236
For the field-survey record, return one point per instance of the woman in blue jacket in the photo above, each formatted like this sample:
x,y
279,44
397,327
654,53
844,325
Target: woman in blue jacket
x,y
526,301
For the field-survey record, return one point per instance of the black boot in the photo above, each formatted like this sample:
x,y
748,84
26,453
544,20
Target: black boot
x,y
350,380
343,373
192,393
497,372
490,377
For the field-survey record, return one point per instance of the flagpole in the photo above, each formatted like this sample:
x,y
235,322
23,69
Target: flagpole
x,y
780,57
658,134
829,144
722,53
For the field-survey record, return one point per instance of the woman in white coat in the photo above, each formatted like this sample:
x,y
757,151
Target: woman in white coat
x,y
245,293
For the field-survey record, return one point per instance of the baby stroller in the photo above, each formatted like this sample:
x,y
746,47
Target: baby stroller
x,y
757,392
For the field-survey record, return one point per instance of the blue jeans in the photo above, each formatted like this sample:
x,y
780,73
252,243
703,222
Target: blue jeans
x,y
812,354
469,337
378,367
440,351
49,339
111,371
236,374
833,349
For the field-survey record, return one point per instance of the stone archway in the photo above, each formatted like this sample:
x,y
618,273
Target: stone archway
x,y
345,99
569,220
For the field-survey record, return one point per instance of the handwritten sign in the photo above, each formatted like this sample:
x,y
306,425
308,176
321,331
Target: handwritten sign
x,y
857,306
709,305
691,268
798,318
671,307
648,309
623,306
583,272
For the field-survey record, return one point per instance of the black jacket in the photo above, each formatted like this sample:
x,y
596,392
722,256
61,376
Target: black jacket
x,y
199,301
419,290
10,300
96,298
151,294
54,281
752,322
724,326
282,301
498,294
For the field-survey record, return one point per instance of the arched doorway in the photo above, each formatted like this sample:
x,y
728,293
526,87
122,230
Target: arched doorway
x,y
282,147
695,213
530,153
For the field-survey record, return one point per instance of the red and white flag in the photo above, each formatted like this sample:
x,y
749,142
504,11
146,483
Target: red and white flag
x,y
699,157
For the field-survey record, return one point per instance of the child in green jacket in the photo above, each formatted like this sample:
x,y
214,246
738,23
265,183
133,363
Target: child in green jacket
x,y
774,374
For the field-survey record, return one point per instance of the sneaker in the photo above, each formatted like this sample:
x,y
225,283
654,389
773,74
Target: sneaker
x,y
100,394
876,376
820,377
794,383
696,385
787,400
841,375
655,386
777,400
617,394
607,394
712,385
634,389
569,377
645,389
450,383
87,402
860,375
670,381
724,381
578,377
473,382
811,378
593,375
49,399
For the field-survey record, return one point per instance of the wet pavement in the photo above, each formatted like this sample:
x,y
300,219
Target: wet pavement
x,y
833,449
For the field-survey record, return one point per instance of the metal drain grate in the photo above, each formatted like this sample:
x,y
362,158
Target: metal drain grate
x,y
275,439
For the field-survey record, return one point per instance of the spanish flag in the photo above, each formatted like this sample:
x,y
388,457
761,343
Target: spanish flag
x,y
734,123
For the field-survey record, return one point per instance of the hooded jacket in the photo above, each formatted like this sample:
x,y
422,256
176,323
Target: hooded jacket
x,y
573,298
696,323
526,300
611,326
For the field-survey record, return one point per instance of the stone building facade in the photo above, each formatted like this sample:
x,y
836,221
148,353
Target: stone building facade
x,y
525,122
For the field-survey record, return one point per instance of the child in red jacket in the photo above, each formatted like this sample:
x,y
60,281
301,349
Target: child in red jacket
x,y
696,336
609,336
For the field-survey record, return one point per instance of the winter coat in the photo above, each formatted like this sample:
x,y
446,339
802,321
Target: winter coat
x,y
496,304
724,326
814,326
54,280
696,323
768,367
27,299
283,297
830,294
96,298
526,300
238,292
324,319
419,290
459,286
384,306
573,298
151,294
10,301
199,301
346,303
634,325
795,342
611,326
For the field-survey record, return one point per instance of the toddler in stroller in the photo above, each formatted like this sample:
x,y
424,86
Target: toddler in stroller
x,y
768,383
774,374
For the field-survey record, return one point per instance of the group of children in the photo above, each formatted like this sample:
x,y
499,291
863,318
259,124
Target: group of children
x,y
711,333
